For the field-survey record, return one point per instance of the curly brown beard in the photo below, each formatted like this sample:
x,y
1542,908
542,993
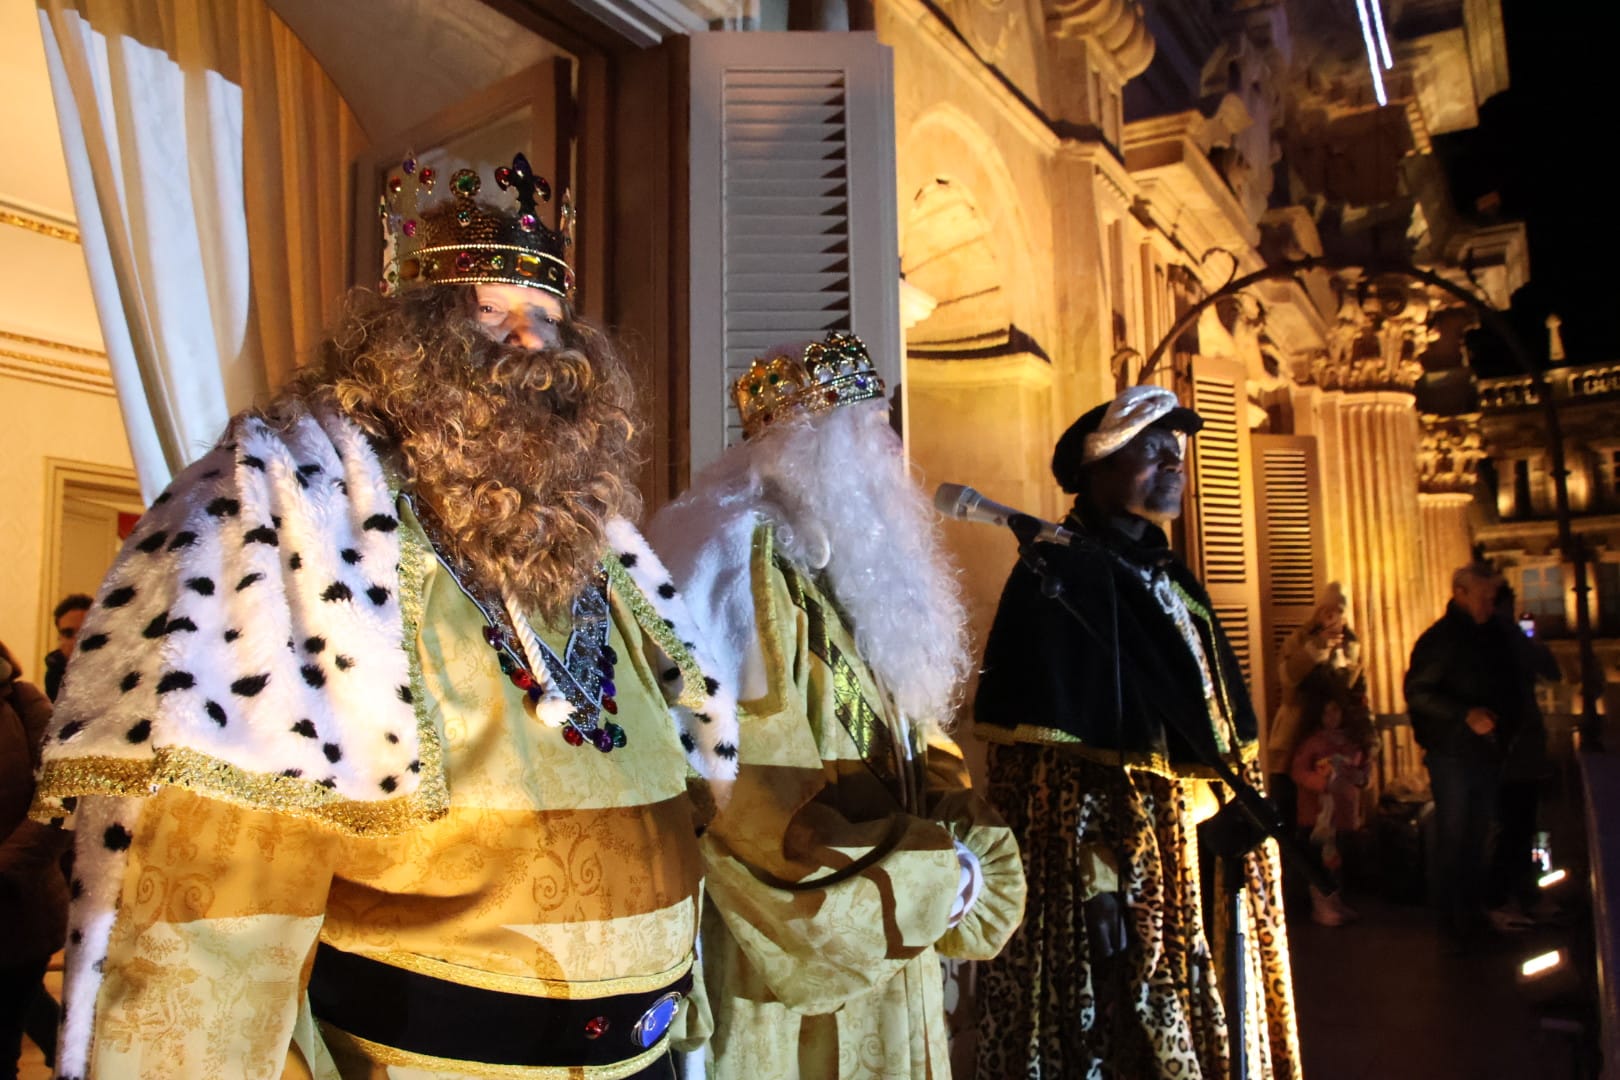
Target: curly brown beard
x,y
518,456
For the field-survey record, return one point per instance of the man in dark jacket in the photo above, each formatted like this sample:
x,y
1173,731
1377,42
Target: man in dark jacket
x,y
69,618
1097,765
1473,708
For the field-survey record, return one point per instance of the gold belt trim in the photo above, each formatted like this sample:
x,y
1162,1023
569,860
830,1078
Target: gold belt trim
x,y
388,1055
1135,760
555,989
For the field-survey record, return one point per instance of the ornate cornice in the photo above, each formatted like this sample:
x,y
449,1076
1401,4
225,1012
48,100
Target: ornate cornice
x,y
1449,454
32,366
1117,25
44,224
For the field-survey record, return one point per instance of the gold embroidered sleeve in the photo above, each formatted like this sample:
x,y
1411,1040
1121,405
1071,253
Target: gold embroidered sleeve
x,y
826,887
219,910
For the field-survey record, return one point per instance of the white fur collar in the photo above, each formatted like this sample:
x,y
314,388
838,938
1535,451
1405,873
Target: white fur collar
x,y
250,643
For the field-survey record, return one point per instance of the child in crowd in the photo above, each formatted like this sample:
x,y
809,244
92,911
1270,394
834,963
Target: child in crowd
x,y
1330,768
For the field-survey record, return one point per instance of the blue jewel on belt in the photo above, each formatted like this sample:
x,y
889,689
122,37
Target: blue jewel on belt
x,y
656,1020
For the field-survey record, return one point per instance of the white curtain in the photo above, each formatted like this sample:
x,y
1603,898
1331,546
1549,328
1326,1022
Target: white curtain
x,y
209,157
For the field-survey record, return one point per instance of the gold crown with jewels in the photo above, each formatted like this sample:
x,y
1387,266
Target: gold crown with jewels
x,y
830,373
439,232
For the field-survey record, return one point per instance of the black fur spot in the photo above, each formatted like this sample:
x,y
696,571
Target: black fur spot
x,y
93,642
157,627
232,635
308,470
119,597
351,556
404,693
248,579
275,522
388,783
176,680
182,540
726,750
130,681
180,625
264,534
337,591
711,685
69,729
293,773
391,737
415,766
382,523
223,507
201,586
667,590
333,752
216,712
253,462
329,783
76,936
314,675
378,595
669,624
211,474
296,562
153,542
344,663
342,486
314,644
303,481
306,728
116,838
688,742
249,685
704,718
140,732
672,674
627,560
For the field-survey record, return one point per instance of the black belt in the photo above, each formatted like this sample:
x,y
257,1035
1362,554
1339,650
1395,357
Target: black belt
x,y
420,1014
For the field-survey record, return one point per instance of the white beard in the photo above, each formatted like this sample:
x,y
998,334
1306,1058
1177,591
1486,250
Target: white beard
x,y
837,488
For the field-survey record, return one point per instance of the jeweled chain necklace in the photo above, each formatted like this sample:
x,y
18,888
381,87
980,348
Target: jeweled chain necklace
x,y
583,674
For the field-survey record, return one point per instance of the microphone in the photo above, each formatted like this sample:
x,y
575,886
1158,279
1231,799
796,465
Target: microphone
x,y
962,503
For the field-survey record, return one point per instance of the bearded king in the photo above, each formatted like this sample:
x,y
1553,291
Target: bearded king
x,y
379,740
851,856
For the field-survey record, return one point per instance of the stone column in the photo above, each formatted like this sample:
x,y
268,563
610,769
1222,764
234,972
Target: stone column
x,y
1448,470
1369,373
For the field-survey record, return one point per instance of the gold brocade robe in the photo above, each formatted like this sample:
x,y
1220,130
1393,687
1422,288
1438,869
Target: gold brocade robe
x,y
831,873
559,871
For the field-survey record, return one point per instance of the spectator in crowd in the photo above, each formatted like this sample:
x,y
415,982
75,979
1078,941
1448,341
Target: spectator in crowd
x,y
69,617
1329,769
1326,647
1471,697
1512,891
33,892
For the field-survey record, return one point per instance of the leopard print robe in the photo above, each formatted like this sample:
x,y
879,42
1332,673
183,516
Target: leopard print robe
x,y
1049,1011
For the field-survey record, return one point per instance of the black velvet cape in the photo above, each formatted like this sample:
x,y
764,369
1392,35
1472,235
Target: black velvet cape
x,y
1046,680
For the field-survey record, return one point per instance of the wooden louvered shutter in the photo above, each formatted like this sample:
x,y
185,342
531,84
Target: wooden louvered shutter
x,y
1292,558
793,221
1223,540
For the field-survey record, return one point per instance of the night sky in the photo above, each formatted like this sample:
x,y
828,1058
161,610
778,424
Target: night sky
x,y
1544,153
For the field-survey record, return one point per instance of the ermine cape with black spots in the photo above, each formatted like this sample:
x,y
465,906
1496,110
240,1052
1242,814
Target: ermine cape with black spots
x,y
250,643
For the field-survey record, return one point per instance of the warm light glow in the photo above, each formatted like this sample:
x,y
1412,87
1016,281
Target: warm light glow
x,y
1372,49
1538,964
1547,881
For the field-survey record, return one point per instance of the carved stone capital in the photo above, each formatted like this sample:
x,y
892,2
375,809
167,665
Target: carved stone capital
x,y
1378,334
1449,453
